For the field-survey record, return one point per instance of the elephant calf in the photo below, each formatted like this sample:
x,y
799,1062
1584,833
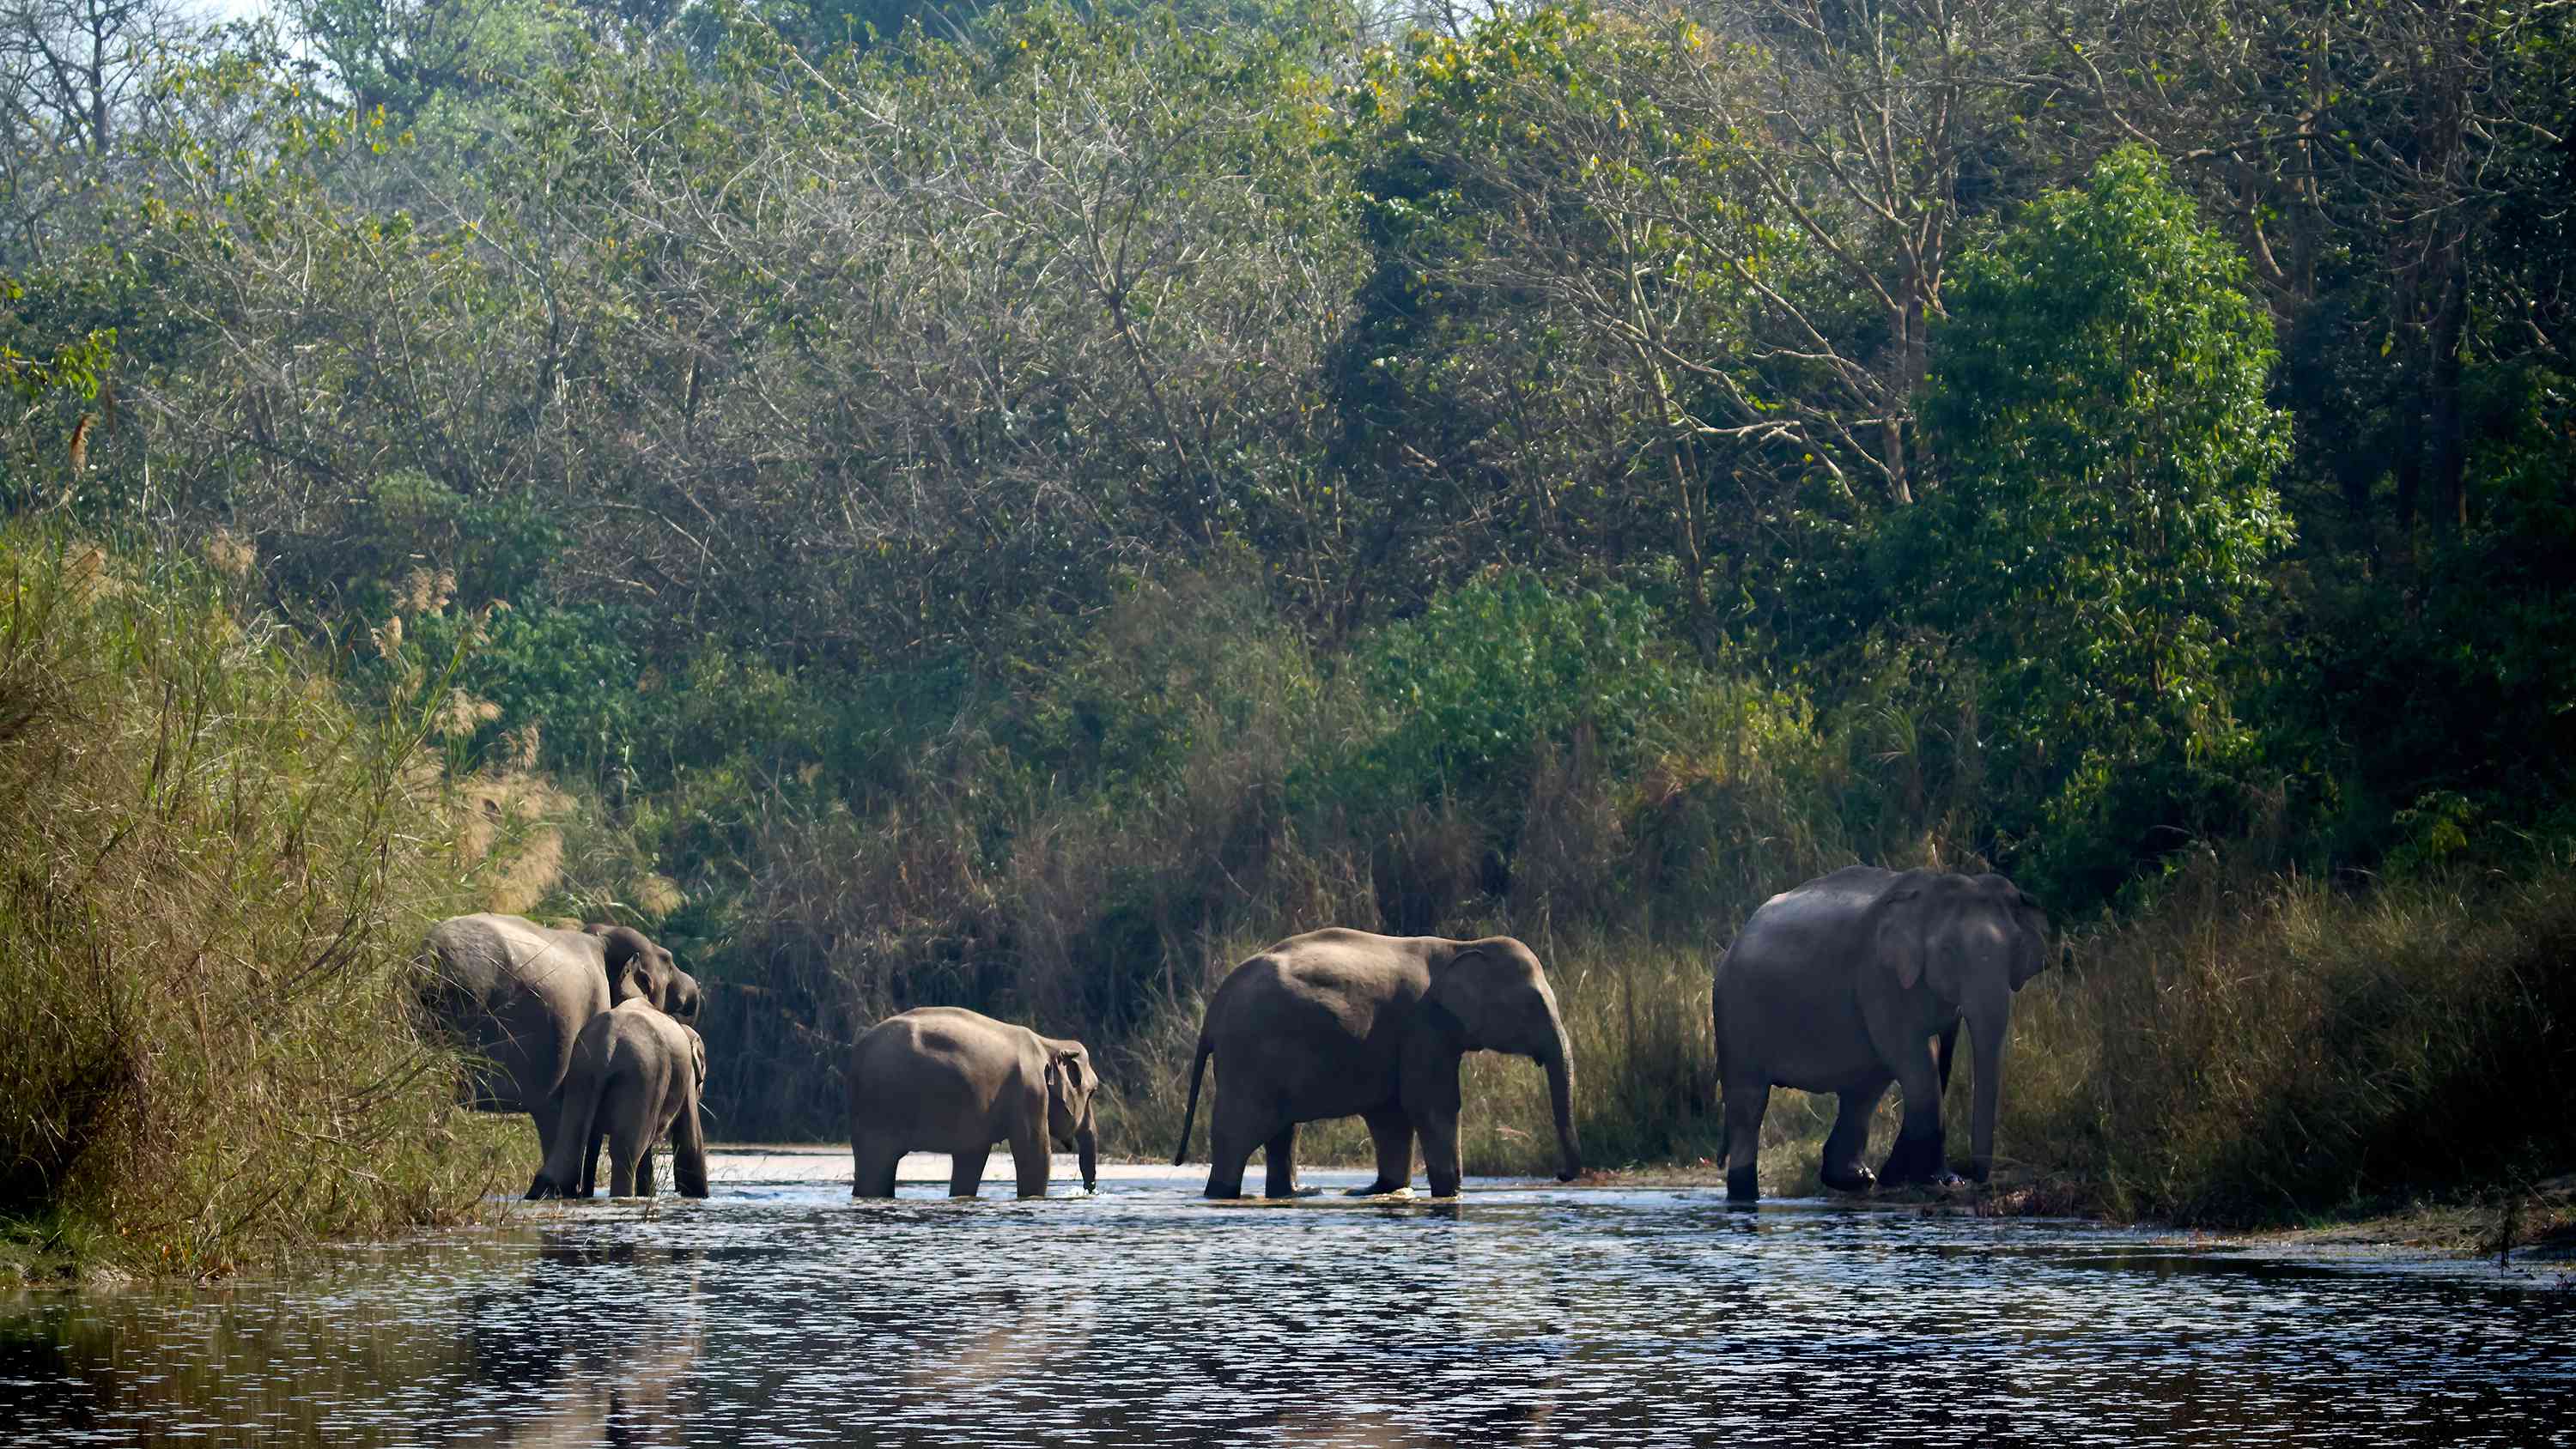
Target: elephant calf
x,y
1339,1023
943,1079
1860,979
635,1075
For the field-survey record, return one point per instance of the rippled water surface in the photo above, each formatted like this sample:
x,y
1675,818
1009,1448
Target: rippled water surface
x,y
779,1312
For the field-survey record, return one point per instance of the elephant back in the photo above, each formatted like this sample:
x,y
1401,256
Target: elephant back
x,y
485,964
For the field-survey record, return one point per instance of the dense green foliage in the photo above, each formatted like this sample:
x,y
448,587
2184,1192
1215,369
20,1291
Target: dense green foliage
x,y
1020,508
2098,406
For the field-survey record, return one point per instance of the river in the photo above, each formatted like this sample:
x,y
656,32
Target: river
x,y
778,1312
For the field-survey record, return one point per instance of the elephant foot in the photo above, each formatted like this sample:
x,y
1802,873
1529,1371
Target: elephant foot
x,y
1381,1188
1850,1177
1913,1159
1742,1187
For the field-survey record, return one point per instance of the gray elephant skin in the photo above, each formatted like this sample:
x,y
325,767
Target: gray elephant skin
x,y
1341,1023
515,995
944,1079
635,1074
1862,978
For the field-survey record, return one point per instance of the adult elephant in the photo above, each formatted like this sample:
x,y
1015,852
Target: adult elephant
x,y
1340,1023
515,996
1859,979
635,1074
944,1079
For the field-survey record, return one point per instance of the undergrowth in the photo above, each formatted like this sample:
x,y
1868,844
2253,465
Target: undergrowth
x,y
210,898
2260,1051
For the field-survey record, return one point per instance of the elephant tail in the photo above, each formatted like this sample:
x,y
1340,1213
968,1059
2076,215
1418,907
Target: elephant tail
x,y
1717,1016
1198,1068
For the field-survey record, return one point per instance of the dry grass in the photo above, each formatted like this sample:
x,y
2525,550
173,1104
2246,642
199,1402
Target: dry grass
x,y
208,907
2264,1052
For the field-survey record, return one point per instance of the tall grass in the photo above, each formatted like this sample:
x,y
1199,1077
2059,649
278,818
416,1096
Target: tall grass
x,y
211,890
2253,1051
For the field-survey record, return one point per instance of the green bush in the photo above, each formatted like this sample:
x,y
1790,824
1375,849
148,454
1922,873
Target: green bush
x,y
1496,669
2100,408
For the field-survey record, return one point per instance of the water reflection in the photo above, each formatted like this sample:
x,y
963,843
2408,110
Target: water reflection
x,y
593,1348
783,1313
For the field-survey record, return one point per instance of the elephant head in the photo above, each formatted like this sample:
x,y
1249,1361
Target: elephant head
x,y
637,967
1491,995
1070,1120
1971,941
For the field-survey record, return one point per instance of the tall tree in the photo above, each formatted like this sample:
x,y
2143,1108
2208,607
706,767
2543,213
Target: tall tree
x,y
2100,403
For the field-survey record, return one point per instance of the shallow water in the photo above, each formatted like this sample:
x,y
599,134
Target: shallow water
x,y
779,1312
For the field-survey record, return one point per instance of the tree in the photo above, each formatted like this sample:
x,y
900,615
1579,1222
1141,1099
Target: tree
x,y
2099,403
75,77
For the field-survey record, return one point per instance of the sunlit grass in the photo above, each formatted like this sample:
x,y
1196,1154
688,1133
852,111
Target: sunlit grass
x,y
212,886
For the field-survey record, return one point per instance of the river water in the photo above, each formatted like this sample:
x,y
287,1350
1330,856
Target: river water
x,y
779,1312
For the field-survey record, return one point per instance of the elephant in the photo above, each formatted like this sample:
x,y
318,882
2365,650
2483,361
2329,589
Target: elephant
x,y
1861,978
1341,1023
944,1079
635,1074
515,995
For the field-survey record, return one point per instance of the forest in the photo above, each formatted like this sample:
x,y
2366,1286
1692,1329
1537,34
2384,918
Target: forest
x,y
1020,506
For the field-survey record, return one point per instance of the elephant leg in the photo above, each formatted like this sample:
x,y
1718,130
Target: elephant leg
x,y
966,1170
1233,1133
1440,1151
546,1116
590,1163
621,1165
1392,1134
1433,1108
644,1170
1917,1156
1032,1161
1279,1163
872,1163
1747,1098
1842,1169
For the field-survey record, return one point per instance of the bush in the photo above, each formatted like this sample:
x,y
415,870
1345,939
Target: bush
x,y
1499,669
209,905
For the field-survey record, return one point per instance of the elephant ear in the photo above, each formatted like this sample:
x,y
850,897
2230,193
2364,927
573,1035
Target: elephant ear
x,y
1896,935
628,952
2032,956
1452,1010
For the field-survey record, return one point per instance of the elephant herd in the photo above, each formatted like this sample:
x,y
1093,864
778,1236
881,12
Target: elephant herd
x,y
1847,984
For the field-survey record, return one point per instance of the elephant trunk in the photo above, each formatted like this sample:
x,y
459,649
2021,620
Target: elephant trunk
x,y
1988,1026
1086,1146
1560,1100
